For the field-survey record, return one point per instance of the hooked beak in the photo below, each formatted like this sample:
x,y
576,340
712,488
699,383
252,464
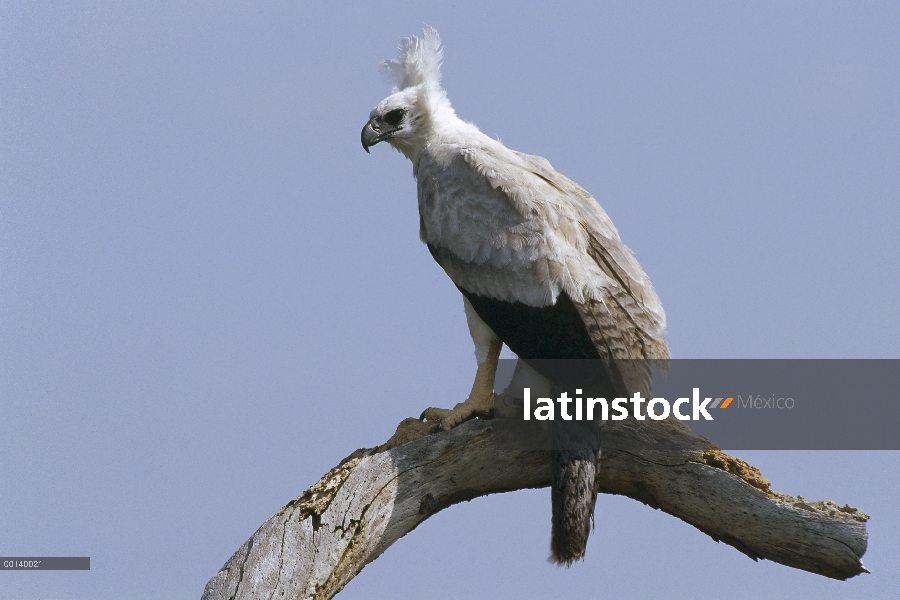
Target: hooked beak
x,y
374,132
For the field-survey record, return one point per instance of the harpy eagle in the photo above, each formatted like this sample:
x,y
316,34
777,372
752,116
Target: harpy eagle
x,y
540,266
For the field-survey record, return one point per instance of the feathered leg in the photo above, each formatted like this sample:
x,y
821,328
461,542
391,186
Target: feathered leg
x,y
480,402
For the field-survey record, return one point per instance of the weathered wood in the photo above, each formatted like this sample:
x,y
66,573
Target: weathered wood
x,y
320,541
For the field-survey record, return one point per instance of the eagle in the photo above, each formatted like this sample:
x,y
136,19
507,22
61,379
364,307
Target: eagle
x,y
539,264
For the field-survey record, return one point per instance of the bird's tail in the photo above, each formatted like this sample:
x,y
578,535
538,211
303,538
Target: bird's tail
x,y
573,493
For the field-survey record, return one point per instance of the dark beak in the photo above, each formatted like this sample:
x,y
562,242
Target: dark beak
x,y
374,132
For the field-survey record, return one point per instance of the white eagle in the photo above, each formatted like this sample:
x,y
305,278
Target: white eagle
x,y
540,266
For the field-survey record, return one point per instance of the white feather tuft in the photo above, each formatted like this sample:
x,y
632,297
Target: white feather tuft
x,y
418,62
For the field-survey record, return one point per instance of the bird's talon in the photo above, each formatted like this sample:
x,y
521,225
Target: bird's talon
x,y
434,414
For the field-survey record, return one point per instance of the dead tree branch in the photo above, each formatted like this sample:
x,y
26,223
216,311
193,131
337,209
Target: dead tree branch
x,y
317,543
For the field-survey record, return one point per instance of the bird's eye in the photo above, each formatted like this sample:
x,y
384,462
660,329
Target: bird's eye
x,y
394,117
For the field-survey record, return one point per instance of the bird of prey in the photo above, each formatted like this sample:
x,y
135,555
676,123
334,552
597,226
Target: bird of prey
x,y
540,265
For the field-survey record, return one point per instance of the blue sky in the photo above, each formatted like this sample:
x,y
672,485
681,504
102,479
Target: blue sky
x,y
210,294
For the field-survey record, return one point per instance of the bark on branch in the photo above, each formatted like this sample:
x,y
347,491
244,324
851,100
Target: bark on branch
x,y
317,543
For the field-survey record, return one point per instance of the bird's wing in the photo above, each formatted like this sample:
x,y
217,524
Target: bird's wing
x,y
505,226
631,303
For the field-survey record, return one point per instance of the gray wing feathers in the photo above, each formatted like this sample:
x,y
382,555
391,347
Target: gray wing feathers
x,y
510,227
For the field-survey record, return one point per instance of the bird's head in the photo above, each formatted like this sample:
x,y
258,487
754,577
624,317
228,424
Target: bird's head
x,y
407,117
399,120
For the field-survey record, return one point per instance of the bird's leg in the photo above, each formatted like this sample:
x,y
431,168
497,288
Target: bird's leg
x,y
480,402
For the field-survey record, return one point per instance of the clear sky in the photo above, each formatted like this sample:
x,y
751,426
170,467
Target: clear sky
x,y
210,294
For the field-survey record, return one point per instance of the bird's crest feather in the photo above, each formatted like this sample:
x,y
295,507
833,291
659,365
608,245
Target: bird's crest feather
x,y
418,62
